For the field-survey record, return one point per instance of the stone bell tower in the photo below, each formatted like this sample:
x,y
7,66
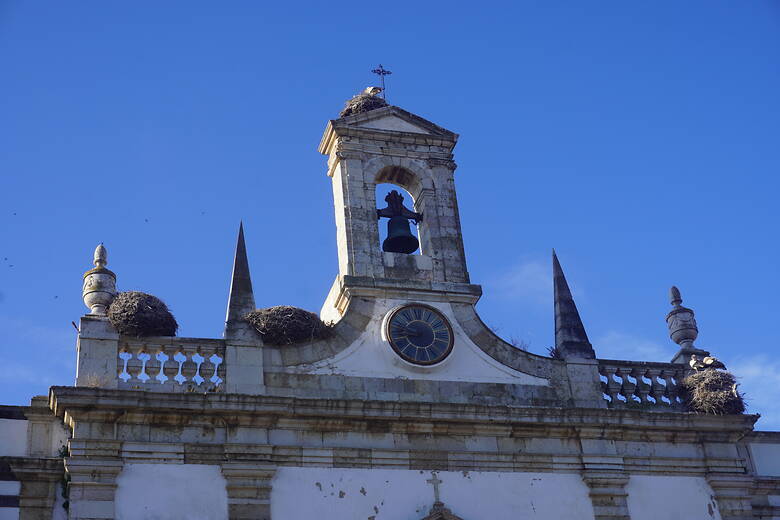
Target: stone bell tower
x,y
391,145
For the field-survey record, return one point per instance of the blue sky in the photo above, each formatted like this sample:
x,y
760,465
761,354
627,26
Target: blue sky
x,y
639,139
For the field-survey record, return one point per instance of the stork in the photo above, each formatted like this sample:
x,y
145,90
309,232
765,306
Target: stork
x,y
707,362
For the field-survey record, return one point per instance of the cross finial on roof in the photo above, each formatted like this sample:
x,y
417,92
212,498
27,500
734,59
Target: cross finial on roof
x,y
382,72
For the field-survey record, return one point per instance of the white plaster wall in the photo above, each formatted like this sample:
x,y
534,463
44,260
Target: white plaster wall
x,y
9,513
371,356
10,487
766,458
13,433
171,492
670,498
346,493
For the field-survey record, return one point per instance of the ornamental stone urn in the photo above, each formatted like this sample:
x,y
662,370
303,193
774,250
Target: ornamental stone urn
x,y
99,284
681,323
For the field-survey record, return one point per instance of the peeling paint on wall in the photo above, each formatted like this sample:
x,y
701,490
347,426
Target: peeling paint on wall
x,y
171,492
670,498
407,495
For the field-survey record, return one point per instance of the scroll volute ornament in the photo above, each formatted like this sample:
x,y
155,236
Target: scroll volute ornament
x,y
99,286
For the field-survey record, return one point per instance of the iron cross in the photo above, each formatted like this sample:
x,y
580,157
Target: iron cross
x,y
435,481
382,72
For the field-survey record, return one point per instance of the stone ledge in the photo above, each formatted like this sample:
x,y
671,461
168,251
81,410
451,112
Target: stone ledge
x,y
70,401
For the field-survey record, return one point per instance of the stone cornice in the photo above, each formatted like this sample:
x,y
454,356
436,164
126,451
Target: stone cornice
x,y
34,468
348,126
77,404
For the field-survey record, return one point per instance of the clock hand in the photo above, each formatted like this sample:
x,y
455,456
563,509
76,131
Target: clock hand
x,y
410,332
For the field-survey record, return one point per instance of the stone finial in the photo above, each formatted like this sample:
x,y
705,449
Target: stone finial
x,y
681,321
99,286
674,296
571,340
682,328
100,258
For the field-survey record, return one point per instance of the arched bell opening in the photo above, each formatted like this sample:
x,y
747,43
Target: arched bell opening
x,y
398,229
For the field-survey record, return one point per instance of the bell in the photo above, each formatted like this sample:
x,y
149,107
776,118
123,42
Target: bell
x,y
399,237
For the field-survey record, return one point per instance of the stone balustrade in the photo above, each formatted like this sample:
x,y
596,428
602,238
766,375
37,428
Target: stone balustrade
x,y
170,364
641,384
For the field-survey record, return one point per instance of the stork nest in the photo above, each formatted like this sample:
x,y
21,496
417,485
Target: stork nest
x,y
362,103
139,314
712,391
285,325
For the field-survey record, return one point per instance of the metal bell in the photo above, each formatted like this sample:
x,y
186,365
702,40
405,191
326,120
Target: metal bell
x,y
399,237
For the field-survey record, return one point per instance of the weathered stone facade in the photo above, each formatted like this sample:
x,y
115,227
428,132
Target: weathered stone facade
x,y
342,427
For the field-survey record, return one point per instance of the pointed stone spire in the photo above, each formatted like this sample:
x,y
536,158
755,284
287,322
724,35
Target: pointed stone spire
x,y
570,337
242,299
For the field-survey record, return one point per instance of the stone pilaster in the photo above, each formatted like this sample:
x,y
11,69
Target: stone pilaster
x,y
97,353
608,494
40,482
734,495
93,467
585,383
249,490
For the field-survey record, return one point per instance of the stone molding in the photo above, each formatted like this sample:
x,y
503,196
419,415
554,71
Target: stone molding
x,y
92,486
40,483
762,505
503,352
608,494
249,490
734,494
349,126
105,405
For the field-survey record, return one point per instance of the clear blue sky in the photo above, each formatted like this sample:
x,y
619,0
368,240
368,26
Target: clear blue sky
x,y
640,139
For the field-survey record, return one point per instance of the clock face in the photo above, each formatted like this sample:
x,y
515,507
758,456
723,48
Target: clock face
x,y
420,334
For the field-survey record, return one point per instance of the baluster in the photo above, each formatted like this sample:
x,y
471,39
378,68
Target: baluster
x,y
674,393
134,365
124,357
171,368
189,367
198,360
180,358
657,389
161,358
207,368
642,386
145,359
628,387
219,368
611,387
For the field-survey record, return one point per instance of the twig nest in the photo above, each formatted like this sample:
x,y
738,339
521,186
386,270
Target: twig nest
x,y
362,103
285,325
139,314
712,391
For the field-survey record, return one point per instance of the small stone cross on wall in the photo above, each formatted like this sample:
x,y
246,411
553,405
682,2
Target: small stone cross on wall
x,y
435,482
